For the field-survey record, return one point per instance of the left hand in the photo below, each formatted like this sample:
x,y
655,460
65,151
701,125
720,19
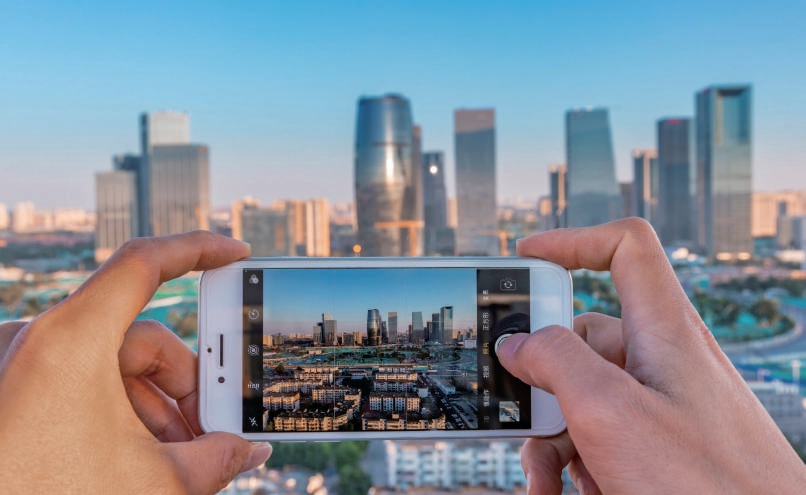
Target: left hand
x,y
93,402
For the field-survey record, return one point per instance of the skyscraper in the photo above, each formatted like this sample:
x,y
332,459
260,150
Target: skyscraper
x,y
267,230
391,319
645,185
724,171
474,143
156,128
373,327
329,329
558,184
435,208
674,191
593,193
116,208
417,328
389,223
446,324
179,188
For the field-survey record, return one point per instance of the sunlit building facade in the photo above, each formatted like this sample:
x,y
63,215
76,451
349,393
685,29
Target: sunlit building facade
x,y
593,193
645,185
724,171
389,223
476,204
373,327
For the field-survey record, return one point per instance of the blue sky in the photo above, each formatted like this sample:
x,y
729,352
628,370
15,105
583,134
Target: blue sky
x,y
271,86
294,299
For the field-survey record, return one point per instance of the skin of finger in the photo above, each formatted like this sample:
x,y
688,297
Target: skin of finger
x,y
582,478
102,309
543,460
157,411
208,463
662,332
603,334
8,331
151,350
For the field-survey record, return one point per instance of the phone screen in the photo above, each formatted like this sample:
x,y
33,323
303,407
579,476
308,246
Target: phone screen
x,y
369,349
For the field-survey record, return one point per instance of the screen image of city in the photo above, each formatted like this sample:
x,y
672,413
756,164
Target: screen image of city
x,y
382,349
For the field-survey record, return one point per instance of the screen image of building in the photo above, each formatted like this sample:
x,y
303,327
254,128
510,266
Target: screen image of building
x,y
373,327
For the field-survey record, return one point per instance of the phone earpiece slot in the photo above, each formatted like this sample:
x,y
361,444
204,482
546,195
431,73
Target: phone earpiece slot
x,y
221,350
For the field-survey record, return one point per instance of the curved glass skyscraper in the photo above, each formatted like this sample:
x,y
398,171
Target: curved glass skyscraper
x,y
386,181
373,327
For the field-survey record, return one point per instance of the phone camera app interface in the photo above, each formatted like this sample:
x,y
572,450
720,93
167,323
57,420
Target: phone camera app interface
x,y
382,349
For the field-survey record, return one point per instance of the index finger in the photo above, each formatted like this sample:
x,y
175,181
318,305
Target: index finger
x,y
647,287
106,304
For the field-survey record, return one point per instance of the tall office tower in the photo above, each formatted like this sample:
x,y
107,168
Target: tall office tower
x,y
724,171
116,208
446,324
391,319
156,128
645,185
384,333
267,230
317,227
329,329
558,184
385,179
435,333
593,193
674,193
417,328
179,188
474,143
438,237
373,327
5,218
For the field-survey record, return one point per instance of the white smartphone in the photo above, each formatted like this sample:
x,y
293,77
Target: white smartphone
x,y
365,348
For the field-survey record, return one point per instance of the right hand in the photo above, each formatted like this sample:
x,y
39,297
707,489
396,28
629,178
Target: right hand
x,y
651,402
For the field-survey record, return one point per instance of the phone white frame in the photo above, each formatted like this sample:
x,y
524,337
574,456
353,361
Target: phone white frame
x,y
220,313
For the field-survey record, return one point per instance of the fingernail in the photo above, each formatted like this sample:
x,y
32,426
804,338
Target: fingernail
x,y
506,344
530,490
259,455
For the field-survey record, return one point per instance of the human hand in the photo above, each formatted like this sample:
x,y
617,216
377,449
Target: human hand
x,y
651,402
93,402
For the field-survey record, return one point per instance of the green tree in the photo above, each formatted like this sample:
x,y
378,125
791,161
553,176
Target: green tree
x,y
765,310
353,481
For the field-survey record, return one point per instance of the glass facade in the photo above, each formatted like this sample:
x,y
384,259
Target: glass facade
x,y
474,141
435,205
156,128
674,193
386,189
116,207
593,193
180,188
724,171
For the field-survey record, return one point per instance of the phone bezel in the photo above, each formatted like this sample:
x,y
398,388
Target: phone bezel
x,y
220,306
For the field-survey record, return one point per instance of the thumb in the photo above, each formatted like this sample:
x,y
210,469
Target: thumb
x,y
558,361
208,463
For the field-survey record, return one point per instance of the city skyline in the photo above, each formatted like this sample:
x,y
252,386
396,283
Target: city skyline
x,y
283,121
292,307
